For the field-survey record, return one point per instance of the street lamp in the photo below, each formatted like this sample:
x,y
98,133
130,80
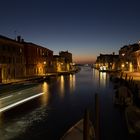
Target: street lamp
x,y
44,62
44,67
122,65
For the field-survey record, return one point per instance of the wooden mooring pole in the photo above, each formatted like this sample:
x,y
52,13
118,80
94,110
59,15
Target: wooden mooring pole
x,y
126,77
121,75
86,126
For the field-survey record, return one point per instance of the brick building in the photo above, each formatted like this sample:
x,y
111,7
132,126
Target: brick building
x,y
12,59
38,59
19,59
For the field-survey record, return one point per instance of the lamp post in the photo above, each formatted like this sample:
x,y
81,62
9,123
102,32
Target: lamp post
x,y
44,67
122,66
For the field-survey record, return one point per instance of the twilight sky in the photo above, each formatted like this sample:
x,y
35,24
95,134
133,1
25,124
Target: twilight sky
x,y
86,28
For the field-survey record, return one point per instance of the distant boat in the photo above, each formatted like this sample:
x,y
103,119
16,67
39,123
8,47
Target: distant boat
x,y
103,70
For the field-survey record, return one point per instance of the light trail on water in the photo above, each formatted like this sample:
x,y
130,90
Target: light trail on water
x,y
20,102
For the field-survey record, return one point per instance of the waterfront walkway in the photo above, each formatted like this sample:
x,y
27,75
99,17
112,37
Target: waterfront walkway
x,y
37,77
135,75
27,79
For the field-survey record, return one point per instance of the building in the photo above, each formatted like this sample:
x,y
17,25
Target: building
x,y
59,63
68,60
12,59
38,59
107,62
66,55
135,61
20,59
128,57
63,62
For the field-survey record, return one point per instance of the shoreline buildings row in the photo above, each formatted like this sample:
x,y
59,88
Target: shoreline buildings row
x,y
128,59
20,59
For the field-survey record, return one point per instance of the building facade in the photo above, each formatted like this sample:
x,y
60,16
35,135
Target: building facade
x,y
68,60
19,59
38,59
66,55
135,59
59,63
107,62
63,62
128,57
12,59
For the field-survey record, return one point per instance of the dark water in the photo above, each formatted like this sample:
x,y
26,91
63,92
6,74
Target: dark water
x,y
63,104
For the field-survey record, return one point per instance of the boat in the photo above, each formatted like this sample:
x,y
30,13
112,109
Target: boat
x,y
132,116
123,96
82,130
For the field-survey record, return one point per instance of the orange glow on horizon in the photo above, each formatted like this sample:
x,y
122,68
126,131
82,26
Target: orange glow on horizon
x,y
84,59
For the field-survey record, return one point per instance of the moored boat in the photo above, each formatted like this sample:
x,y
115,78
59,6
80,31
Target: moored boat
x,y
76,132
82,130
132,115
123,96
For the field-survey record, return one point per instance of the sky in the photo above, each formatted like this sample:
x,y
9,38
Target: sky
x,y
85,28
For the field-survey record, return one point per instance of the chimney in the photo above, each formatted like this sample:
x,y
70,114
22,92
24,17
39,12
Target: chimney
x,y
18,38
22,40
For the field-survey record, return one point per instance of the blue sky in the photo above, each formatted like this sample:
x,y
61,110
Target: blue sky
x,y
84,27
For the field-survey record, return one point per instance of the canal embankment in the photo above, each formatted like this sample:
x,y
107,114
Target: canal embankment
x,y
19,84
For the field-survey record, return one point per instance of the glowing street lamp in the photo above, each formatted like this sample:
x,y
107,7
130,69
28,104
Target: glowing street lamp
x,y
44,62
122,65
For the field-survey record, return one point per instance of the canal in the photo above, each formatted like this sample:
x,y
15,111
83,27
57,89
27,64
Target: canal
x,y
63,103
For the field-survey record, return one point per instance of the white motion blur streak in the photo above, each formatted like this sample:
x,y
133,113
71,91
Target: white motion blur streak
x,y
6,97
19,102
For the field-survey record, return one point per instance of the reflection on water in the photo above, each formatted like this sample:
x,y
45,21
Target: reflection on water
x,y
18,125
103,79
100,78
45,96
64,97
96,76
62,86
72,82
